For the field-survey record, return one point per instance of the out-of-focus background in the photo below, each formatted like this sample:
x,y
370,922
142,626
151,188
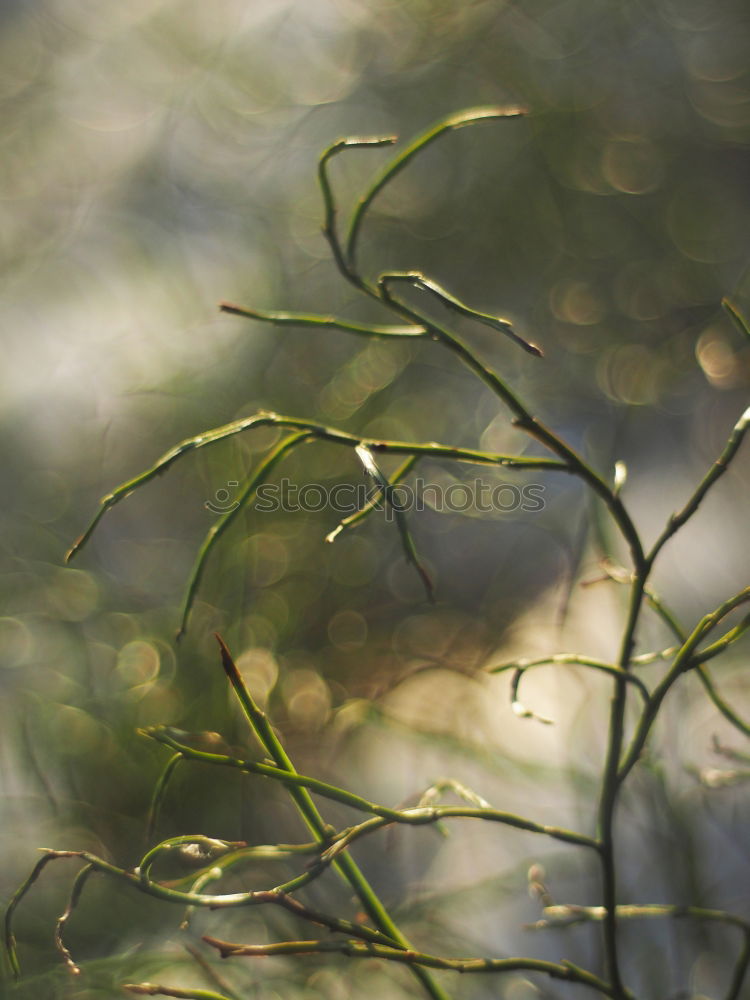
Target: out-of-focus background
x,y
159,155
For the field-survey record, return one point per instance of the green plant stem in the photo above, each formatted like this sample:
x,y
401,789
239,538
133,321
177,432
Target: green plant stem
x,y
227,992
564,971
215,532
567,915
522,416
152,990
720,466
329,203
413,816
75,894
268,419
386,332
15,899
610,787
574,659
345,864
407,542
278,896
682,663
213,848
160,790
404,158
354,519
720,703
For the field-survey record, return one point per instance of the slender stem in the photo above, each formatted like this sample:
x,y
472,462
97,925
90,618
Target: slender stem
x,y
325,322
15,899
268,419
291,779
330,211
723,706
75,895
567,915
354,519
608,798
153,990
278,896
682,663
246,496
160,789
404,158
407,542
720,466
345,864
575,659
522,416
564,971
227,992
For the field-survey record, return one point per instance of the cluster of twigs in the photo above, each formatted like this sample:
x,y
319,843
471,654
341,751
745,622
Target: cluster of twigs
x,y
693,650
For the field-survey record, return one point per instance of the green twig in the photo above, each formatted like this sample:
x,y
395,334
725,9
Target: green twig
x,y
575,659
267,419
358,516
739,320
522,416
325,322
396,165
683,662
720,703
217,530
345,864
152,990
75,895
15,899
455,305
293,780
720,466
410,550
564,971
330,210
157,797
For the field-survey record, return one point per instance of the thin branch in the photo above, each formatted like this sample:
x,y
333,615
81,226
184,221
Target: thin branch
x,y
455,305
354,519
563,915
157,797
423,816
386,815
407,542
683,662
75,895
575,659
212,975
717,470
206,849
278,896
15,899
329,203
152,990
568,915
395,167
220,526
739,320
345,864
723,706
522,417
266,418
564,971
325,323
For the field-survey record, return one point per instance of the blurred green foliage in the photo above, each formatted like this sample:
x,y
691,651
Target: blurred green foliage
x,y
158,156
